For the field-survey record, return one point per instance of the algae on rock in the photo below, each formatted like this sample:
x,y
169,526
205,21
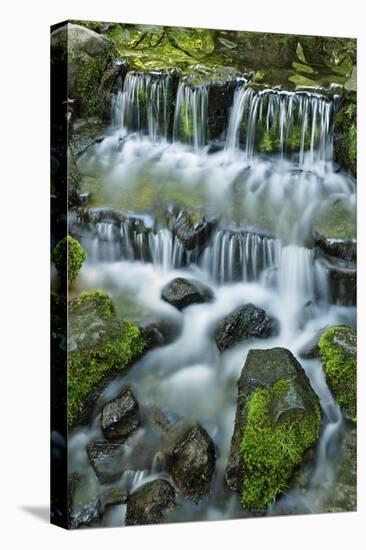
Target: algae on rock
x,y
338,352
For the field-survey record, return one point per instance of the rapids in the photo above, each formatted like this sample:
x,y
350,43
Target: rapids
x,y
156,156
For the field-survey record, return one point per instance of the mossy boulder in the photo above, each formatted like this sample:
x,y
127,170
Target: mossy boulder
x,y
339,356
91,69
68,257
277,420
345,133
100,346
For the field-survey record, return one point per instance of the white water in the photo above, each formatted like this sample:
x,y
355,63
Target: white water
x,y
142,104
276,271
190,116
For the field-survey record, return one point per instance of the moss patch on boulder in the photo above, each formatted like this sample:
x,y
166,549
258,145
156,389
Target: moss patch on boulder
x,y
271,450
99,343
277,419
68,257
338,353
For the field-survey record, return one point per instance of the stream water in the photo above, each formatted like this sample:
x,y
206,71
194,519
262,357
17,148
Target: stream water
x,y
152,159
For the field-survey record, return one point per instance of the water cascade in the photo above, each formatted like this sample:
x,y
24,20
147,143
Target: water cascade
x,y
263,185
288,123
190,116
143,104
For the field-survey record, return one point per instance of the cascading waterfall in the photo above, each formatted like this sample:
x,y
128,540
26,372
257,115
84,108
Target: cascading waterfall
x,y
190,116
142,104
240,256
284,122
270,264
229,256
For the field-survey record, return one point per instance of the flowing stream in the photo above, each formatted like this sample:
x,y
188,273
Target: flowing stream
x,y
156,156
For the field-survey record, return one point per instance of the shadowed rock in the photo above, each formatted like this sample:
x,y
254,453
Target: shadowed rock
x,y
150,503
182,293
244,323
191,462
121,416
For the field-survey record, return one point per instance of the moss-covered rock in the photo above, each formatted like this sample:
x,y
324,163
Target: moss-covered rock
x,y
68,257
338,353
345,132
277,419
91,71
271,449
100,346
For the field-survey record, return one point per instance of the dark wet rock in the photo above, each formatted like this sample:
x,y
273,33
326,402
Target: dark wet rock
x,y
244,323
342,279
193,233
150,503
72,483
191,462
182,293
107,460
86,507
162,332
263,369
120,417
342,248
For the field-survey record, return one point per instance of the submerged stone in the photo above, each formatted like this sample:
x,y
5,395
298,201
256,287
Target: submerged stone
x,y
338,352
191,461
106,459
277,420
244,323
182,293
100,345
120,417
150,503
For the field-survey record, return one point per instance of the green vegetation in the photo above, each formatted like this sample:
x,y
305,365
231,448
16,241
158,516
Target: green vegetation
x,y
338,352
271,450
336,221
68,257
345,147
103,343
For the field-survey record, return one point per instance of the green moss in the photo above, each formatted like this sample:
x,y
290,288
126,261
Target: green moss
x,y
338,352
101,302
336,221
345,147
270,451
68,257
103,343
